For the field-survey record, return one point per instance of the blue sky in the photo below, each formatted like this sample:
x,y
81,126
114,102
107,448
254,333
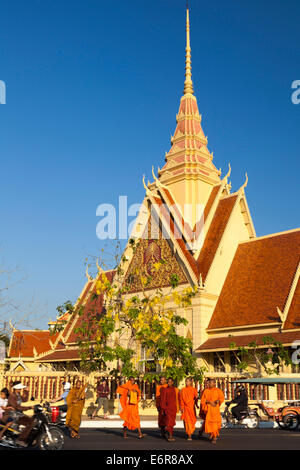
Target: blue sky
x,y
93,88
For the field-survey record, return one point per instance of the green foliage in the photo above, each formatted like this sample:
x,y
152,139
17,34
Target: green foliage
x,y
130,323
267,359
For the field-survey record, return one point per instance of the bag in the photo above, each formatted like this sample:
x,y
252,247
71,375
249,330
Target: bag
x,y
133,398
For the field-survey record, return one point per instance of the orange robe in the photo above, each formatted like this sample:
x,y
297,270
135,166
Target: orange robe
x,y
187,398
75,402
161,416
170,406
213,420
130,412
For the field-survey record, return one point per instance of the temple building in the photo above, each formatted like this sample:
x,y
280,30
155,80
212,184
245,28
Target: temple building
x,y
248,286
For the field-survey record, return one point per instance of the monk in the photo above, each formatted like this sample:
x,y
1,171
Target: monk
x,y
129,399
161,417
188,399
75,402
212,397
203,409
169,406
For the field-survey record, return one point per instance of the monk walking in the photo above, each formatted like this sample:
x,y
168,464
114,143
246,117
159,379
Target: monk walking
x,y
75,402
188,398
212,397
161,416
170,406
129,399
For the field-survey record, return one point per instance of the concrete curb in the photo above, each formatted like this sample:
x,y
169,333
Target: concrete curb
x,y
115,423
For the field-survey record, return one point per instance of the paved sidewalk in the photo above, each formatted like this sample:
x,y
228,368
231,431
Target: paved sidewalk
x,y
150,422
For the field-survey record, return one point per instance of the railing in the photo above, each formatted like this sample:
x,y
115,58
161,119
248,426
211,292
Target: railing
x,y
47,386
41,387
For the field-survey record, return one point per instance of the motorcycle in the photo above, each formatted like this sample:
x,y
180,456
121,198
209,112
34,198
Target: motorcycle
x,y
43,434
57,414
250,418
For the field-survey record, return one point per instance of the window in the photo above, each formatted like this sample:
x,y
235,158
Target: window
x,y
234,362
146,363
219,362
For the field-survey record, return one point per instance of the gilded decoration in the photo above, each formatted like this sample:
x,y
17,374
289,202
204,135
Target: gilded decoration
x,y
149,252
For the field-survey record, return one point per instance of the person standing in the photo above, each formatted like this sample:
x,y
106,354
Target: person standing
x,y
75,402
102,398
129,398
188,398
212,398
161,416
170,406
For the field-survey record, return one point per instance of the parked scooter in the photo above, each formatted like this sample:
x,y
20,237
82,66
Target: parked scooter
x,y
250,418
57,414
43,434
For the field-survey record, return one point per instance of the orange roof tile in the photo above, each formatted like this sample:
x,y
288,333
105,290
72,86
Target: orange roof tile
x,y
62,355
259,280
70,322
293,317
215,233
23,342
222,343
93,307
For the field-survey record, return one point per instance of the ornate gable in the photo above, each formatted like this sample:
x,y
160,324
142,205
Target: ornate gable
x,y
148,252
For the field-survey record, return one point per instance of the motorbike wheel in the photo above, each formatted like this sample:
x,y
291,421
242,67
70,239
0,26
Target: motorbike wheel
x,y
224,422
254,422
281,424
55,443
290,421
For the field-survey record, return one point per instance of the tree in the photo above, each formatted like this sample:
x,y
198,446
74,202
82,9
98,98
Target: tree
x,y
12,315
267,359
137,333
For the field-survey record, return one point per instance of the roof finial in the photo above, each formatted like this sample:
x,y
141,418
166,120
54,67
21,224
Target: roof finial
x,y
188,84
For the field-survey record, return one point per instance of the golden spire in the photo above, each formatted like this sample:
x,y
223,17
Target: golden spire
x,y
188,84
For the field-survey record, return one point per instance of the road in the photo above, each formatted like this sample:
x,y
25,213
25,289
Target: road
x,y
230,439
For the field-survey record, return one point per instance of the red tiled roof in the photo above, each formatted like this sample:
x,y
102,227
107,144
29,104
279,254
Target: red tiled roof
x,y
293,316
215,233
66,330
259,280
93,307
222,343
61,355
211,200
190,259
23,342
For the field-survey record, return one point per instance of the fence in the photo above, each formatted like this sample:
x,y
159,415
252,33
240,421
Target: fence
x,y
49,386
43,386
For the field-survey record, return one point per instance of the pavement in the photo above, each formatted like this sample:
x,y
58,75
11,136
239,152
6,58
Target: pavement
x,y
150,422
112,442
